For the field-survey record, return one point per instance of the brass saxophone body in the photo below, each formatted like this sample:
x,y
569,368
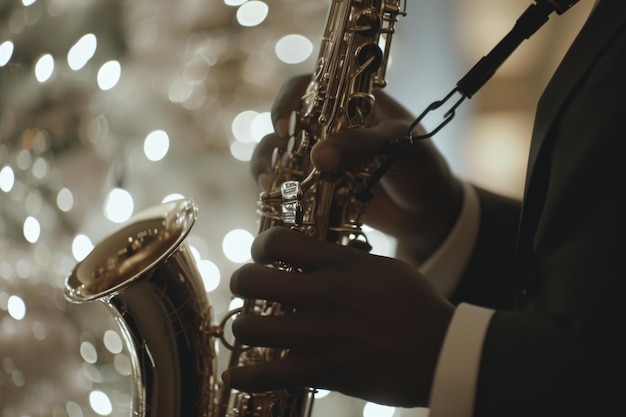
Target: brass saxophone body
x,y
351,65
147,276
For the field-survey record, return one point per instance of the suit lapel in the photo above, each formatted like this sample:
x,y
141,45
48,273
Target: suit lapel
x,y
602,24
597,31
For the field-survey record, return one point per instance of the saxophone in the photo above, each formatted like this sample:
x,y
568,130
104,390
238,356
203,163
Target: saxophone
x,y
146,275
352,63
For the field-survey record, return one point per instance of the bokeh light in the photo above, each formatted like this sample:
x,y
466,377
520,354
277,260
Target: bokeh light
x,y
210,274
81,247
180,90
293,49
65,199
261,125
40,168
119,205
73,409
252,13
100,403
234,3
248,128
16,307
7,179
6,51
44,68
156,145
235,303
242,125
88,352
122,364
109,75
236,245
113,341
242,151
32,229
82,51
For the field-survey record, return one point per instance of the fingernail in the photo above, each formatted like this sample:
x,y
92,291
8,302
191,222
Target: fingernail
x,y
326,159
282,127
264,181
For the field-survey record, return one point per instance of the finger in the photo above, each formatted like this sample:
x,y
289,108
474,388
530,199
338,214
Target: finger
x,y
350,148
288,99
261,162
281,244
267,283
292,331
291,372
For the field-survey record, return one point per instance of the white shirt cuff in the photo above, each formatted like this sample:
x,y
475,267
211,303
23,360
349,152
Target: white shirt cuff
x,y
446,265
454,386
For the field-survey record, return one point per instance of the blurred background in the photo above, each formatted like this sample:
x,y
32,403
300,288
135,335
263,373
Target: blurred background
x,y
109,106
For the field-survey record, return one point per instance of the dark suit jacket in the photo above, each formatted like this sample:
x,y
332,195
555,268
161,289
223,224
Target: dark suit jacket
x,y
554,347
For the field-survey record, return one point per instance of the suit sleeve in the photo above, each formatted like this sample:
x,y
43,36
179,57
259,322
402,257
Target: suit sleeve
x,y
492,274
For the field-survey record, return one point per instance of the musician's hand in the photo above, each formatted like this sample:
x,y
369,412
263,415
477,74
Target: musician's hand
x,y
418,199
364,325
287,101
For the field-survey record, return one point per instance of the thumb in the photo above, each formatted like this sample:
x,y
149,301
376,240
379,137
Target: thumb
x,y
355,147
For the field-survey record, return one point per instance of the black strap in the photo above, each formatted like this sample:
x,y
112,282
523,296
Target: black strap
x,y
528,23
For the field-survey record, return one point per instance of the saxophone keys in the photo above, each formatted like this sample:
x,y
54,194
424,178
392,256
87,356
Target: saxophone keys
x,y
292,208
293,214
291,190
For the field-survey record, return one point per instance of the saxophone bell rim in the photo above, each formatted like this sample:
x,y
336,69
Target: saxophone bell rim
x,y
176,218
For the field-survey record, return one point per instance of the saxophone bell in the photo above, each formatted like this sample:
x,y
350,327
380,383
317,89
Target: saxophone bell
x,y
147,277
